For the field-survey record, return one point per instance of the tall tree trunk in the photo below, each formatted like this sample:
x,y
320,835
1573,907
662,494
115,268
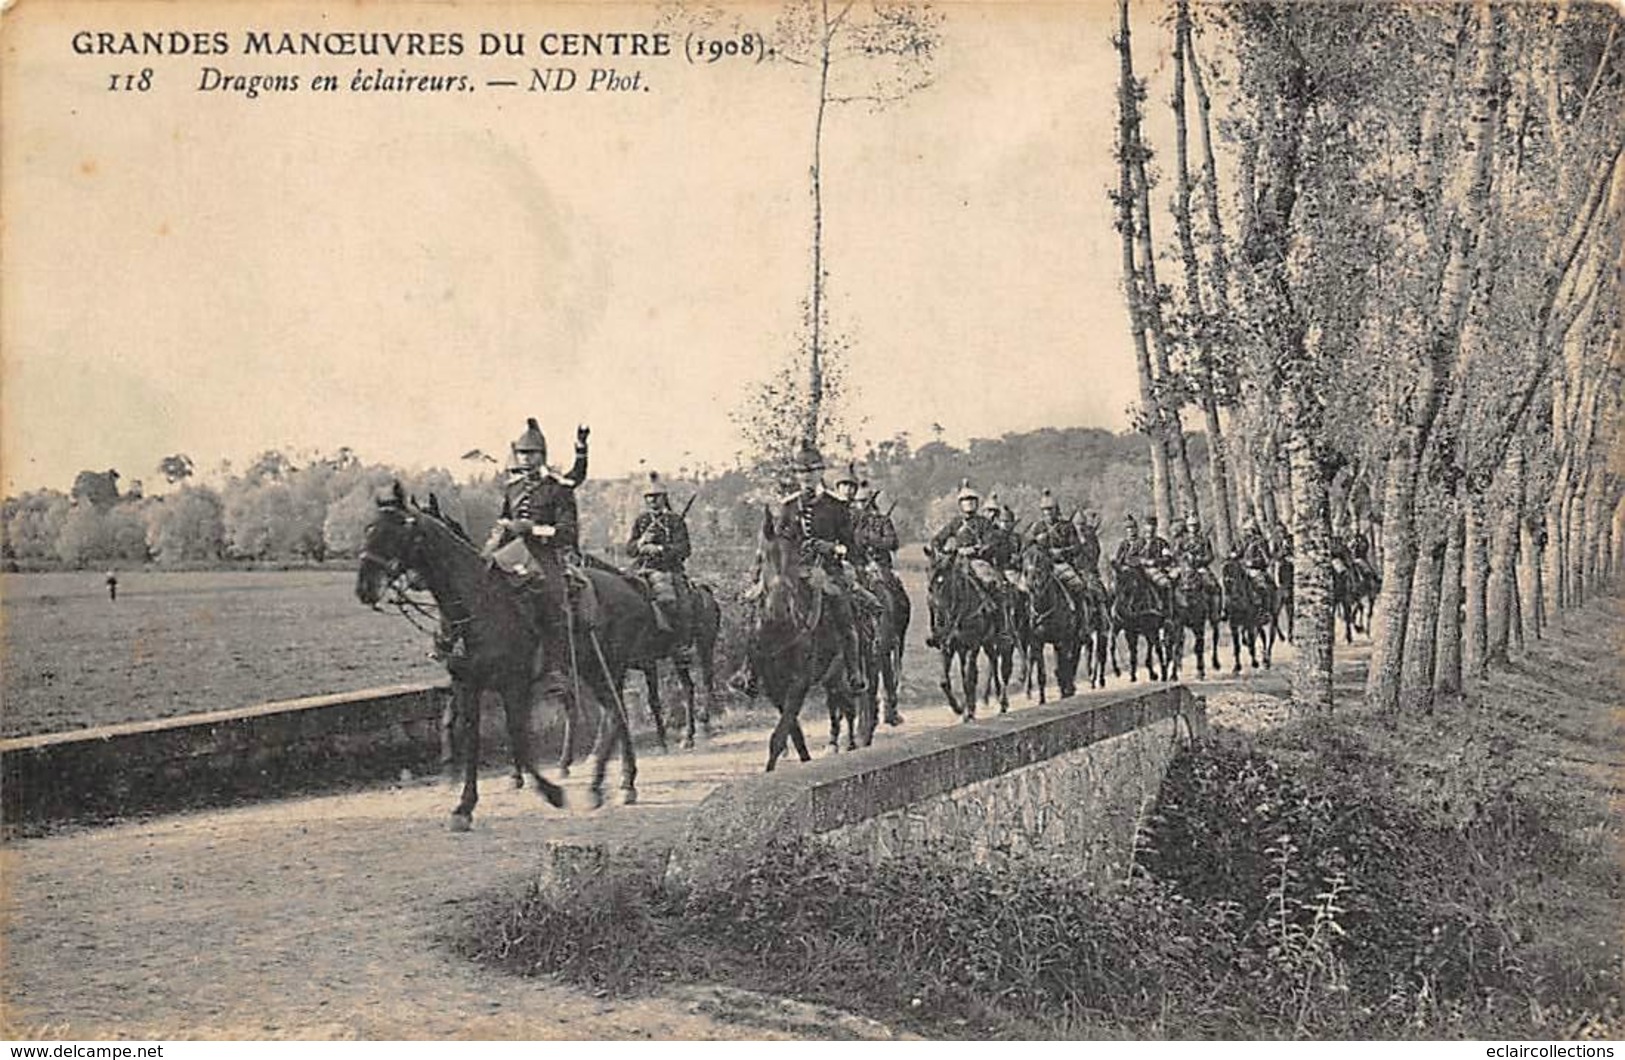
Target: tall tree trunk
x,y
1316,629
1128,149
1423,628
1477,557
1517,608
1447,669
1219,312
1467,199
1503,582
815,309
1168,418
1391,617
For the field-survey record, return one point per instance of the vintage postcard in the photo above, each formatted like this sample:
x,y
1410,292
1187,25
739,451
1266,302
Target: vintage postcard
x,y
1175,442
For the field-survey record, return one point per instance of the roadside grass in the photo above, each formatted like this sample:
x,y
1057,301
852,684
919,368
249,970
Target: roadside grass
x,y
1452,874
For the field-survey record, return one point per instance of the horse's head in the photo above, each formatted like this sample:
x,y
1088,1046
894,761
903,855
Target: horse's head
x,y
1036,564
390,548
777,561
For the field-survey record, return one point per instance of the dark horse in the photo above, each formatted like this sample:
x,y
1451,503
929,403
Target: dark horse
x,y
966,623
890,631
1284,574
1250,609
1354,596
1196,607
793,642
1137,611
491,614
1053,618
693,639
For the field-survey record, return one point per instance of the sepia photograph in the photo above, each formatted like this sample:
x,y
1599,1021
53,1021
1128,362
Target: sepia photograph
x,y
812,520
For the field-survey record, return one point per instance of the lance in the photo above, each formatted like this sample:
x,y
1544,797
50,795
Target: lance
x,y
690,504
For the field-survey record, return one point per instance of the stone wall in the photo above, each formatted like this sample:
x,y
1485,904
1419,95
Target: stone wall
x,y
207,759
1071,780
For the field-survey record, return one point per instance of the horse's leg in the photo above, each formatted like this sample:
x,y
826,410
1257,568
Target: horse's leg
x,y
968,679
629,754
518,723
1199,631
613,730
515,704
568,706
1002,664
1267,634
467,714
686,679
651,681
1036,662
947,654
1213,635
797,698
1235,641
832,703
781,736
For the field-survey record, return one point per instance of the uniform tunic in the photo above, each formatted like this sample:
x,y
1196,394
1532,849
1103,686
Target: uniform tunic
x,y
667,529
876,537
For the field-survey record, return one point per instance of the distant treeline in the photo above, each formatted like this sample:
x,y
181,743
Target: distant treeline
x,y
282,511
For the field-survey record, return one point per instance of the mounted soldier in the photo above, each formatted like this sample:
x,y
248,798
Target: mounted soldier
x,y
969,538
874,532
1157,559
1087,524
1003,543
1359,549
536,537
846,491
1194,553
820,524
659,547
1254,551
1060,537
1283,548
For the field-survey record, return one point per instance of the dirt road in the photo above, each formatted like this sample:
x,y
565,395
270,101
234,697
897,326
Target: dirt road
x,y
320,917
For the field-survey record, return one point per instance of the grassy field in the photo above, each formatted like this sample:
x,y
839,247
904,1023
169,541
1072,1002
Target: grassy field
x,y
191,641
181,643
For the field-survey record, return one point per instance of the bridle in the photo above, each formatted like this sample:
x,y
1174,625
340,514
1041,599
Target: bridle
x,y
395,571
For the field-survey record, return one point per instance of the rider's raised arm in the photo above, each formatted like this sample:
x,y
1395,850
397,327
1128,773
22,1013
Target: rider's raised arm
x,y
578,470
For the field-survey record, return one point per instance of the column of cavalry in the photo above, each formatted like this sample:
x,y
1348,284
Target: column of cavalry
x,y
529,615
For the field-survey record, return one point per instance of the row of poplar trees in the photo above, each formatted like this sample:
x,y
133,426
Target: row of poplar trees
x,y
1390,284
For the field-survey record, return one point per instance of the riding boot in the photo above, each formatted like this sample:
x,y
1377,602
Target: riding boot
x,y
851,656
661,622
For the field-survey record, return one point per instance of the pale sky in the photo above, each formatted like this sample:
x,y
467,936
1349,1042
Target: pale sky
x,y
412,276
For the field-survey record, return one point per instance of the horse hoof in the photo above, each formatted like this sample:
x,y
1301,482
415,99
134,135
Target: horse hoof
x,y
595,798
834,747
564,771
552,793
460,822
518,782
688,743
629,797
894,719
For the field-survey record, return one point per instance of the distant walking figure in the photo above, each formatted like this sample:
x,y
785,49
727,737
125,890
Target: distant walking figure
x,y
112,585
